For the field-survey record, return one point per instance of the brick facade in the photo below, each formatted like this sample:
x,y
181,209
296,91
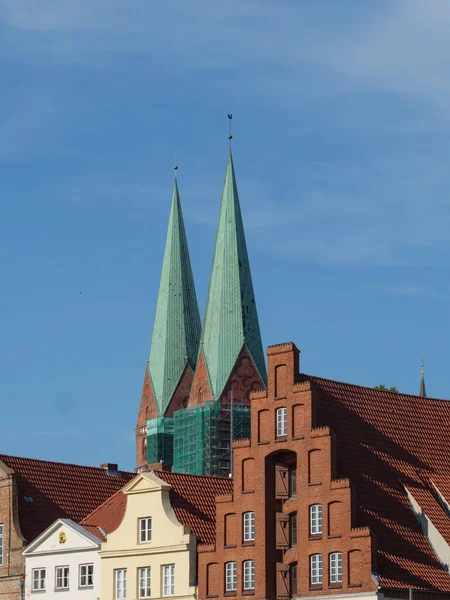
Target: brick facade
x,y
12,568
277,477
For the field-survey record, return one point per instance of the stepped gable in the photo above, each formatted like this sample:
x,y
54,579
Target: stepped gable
x,y
192,498
386,442
58,490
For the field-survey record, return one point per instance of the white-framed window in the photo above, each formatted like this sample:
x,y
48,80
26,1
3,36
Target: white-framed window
x,y
38,580
86,575
145,530
62,578
230,576
336,567
1,545
316,569
144,582
121,584
315,519
281,421
249,574
168,580
249,526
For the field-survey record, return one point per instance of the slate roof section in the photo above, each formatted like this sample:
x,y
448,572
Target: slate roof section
x,y
177,326
385,441
59,490
231,318
192,498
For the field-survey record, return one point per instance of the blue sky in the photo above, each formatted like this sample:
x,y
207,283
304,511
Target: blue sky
x,y
341,117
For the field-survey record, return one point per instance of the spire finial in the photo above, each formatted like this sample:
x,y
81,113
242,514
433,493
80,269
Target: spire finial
x,y
423,389
175,166
230,137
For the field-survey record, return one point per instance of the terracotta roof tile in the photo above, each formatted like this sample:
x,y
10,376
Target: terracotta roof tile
x,y
192,498
385,441
59,490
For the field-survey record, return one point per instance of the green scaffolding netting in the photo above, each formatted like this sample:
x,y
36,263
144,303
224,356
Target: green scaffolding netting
x,y
160,440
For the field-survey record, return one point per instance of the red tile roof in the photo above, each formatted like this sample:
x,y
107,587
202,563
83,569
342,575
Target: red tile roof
x,y
59,490
192,498
108,515
385,441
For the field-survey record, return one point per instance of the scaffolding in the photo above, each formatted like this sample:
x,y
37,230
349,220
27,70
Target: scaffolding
x,y
160,440
203,437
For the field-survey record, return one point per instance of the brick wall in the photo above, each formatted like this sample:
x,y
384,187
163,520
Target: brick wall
x,y
12,569
267,469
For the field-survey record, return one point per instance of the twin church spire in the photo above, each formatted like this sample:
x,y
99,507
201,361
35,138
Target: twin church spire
x,y
190,364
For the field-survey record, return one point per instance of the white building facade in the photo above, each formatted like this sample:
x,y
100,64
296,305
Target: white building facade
x,y
63,562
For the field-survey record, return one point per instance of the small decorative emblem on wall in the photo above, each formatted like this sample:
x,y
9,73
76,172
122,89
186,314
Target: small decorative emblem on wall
x,y
62,538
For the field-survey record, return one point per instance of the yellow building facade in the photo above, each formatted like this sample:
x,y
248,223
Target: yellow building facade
x,y
150,554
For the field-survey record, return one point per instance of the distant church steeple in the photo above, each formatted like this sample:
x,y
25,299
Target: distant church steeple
x,y
231,360
176,333
423,389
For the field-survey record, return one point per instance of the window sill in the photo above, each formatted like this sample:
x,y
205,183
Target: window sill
x,y
315,536
354,585
281,438
230,546
263,443
216,595
248,593
318,586
85,587
315,483
280,397
57,590
335,586
334,535
248,491
298,437
249,543
226,594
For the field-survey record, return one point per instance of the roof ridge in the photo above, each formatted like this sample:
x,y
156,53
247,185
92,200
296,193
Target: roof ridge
x,y
368,387
55,462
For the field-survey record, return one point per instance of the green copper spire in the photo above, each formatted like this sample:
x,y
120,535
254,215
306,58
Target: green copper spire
x,y
231,319
176,331
423,389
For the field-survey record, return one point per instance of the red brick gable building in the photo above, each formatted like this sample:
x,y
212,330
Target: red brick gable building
x,y
333,494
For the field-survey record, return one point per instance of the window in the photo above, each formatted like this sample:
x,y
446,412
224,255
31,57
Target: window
x,y
145,529
62,578
249,526
294,585
168,580
336,567
121,584
315,512
293,481
87,575
230,577
144,582
38,576
281,422
293,529
316,569
1,545
249,574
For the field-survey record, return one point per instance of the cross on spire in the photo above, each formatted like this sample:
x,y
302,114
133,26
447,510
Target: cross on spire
x,y
423,389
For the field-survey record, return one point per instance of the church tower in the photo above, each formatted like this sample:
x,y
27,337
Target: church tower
x,y
231,359
174,348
